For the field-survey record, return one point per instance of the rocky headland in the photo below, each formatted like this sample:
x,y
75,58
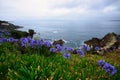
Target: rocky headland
x,y
12,28
4,25
110,41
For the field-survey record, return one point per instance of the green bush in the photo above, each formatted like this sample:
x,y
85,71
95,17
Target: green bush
x,y
18,34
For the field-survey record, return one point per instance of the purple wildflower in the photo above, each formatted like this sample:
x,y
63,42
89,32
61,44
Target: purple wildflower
x,y
113,72
7,33
107,67
67,55
1,41
24,41
101,62
81,52
34,43
59,47
15,40
10,39
41,42
47,43
52,50
86,47
97,48
1,34
70,49
29,39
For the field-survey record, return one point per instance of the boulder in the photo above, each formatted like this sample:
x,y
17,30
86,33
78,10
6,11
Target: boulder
x,y
108,41
61,42
93,42
31,33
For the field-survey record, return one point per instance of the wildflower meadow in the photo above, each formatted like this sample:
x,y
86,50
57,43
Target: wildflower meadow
x,y
38,59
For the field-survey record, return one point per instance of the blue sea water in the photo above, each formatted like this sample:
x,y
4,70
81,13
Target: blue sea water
x,y
74,32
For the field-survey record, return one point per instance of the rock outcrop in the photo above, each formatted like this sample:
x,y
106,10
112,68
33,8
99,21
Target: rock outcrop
x,y
93,42
108,41
4,25
61,42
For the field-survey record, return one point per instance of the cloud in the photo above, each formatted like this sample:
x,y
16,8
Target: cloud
x,y
109,9
42,9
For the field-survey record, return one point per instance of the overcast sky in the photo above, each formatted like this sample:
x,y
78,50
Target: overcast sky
x,y
58,9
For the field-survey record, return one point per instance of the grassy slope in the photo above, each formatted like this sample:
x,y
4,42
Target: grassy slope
x,y
31,66
34,66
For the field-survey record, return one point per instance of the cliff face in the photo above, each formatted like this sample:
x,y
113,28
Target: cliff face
x,y
109,40
93,42
4,25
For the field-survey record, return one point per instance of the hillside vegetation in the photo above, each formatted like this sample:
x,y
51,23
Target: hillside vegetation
x,y
30,59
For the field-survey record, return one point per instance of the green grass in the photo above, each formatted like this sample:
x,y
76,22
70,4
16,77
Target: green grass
x,y
34,66
30,67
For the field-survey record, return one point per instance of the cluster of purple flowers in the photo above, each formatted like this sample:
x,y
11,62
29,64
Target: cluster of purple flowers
x,y
107,67
24,41
67,55
1,34
69,49
6,33
12,40
41,42
34,43
81,53
1,40
58,47
86,48
47,43
53,50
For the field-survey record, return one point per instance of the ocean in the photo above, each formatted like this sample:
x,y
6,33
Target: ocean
x,y
73,32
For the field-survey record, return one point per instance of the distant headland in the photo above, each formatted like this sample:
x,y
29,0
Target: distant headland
x,y
6,26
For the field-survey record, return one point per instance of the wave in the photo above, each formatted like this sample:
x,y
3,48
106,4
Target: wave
x,y
55,32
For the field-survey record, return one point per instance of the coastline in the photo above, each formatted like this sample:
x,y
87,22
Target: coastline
x,y
6,26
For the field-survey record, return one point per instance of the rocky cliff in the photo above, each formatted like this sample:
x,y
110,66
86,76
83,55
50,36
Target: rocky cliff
x,y
4,25
108,41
